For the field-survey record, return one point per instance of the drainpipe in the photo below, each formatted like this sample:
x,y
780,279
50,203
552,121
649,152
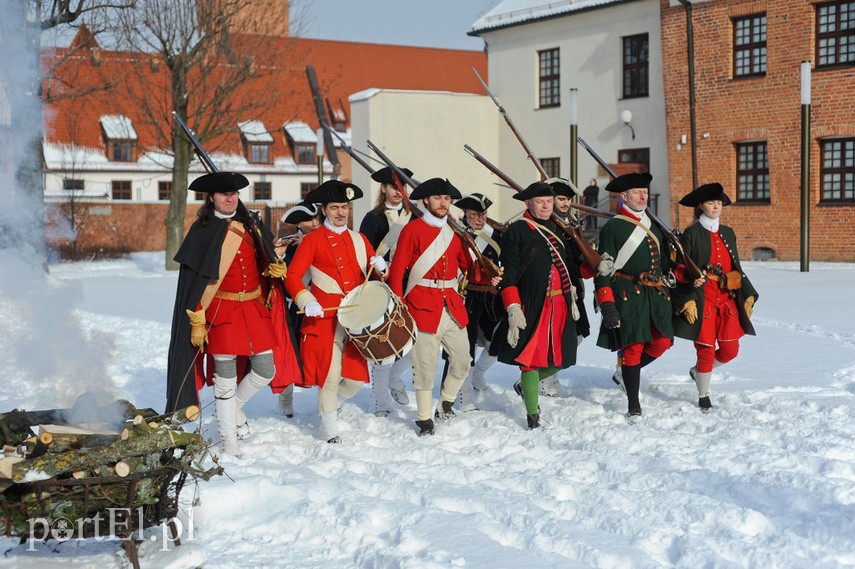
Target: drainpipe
x,y
690,40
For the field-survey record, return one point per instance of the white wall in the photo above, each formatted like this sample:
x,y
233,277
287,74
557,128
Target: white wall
x,y
590,46
425,132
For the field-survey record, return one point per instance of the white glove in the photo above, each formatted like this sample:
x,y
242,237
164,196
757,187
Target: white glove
x,y
516,322
378,263
313,309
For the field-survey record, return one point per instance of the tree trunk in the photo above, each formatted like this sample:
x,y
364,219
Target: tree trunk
x,y
178,197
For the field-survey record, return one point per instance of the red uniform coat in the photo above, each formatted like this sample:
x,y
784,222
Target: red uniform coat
x,y
426,303
335,255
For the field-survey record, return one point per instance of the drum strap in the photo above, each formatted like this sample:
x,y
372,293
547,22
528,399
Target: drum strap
x,y
329,284
390,241
429,257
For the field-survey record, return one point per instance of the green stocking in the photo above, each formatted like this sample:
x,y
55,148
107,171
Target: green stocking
x,y
530,381
545,372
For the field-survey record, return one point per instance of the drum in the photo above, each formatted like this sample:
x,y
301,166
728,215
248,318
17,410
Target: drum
x,y
377,322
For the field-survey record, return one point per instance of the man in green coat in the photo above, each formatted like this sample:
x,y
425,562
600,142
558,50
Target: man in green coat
x,y
634,296
539,334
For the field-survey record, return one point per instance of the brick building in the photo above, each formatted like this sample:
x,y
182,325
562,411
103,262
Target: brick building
x,y
747,58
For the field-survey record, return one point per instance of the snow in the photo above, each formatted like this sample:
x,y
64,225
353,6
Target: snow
x,y
515,12
767,479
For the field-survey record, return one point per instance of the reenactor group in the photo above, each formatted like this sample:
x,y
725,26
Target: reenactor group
x,y
410,292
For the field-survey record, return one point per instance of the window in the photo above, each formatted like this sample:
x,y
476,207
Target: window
x,y
552,166
752,172
201,196
749,46
262,191
121,150
122,190
837,173
72,184
305,153
550,78
835,34
164,190
635,66
305,188
635,156
258,153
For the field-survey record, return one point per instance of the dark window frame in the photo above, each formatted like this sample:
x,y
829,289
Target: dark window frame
x,y
306,187
263,188
549,78
73,184
302,152
753,46
831,14
752,173
636,66
259,152
121,150
838,169
164,190
119,191
552,166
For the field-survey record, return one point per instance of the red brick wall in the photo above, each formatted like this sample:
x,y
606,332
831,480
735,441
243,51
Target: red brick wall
x,y
113,228
763,108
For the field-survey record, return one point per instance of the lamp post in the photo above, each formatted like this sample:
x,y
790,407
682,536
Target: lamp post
x,y
319,152
574,135
804,230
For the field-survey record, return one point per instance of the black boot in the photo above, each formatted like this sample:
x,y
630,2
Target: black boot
x,y
445,411
533,421
425,427
704,403
632,381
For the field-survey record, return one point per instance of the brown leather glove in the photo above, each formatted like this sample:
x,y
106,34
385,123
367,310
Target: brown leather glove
x,y
277,270
198,330
749,306
690,311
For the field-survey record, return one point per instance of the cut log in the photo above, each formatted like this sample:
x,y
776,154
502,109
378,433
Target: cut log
x,y
129,465
6,465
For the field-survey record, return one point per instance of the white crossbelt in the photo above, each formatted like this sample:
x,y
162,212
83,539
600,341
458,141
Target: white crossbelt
x,y
437,283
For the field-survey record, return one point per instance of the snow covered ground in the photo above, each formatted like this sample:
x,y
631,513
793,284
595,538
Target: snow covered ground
x,y
767,479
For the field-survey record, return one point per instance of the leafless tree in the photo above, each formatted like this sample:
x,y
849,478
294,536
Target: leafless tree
x,y
212,76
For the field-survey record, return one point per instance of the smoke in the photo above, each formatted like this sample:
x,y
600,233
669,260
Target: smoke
x,y
47,357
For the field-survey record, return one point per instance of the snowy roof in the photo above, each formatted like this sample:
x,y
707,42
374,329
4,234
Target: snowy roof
x,y
515,12
300,132
118,127
254,131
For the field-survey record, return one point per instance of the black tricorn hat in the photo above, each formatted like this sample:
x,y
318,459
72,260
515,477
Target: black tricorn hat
x,y
705,193
474,202
384,175
629,181
561,187
535,190
219,182
300,213
333,191
435,187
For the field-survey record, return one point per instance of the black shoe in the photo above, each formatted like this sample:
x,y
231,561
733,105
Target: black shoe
x,y
335,440
533,421
518,389
705,403
445,411
425,427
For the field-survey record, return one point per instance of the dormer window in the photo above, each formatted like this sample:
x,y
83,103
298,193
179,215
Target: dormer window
x,y
120,138
257,142
303,141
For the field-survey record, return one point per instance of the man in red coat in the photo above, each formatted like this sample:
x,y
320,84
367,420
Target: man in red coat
x,y
231,308
434,256
338,260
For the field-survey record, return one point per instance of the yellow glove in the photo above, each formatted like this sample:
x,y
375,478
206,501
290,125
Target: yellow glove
x,y
277,270
198,331
690,311
749,306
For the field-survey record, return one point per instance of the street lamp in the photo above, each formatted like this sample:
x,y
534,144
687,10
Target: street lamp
x,y
626,117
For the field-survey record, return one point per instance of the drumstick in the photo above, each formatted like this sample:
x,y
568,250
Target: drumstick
x,y
332,308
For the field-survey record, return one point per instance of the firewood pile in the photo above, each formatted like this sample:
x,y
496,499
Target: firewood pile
x,y
68,465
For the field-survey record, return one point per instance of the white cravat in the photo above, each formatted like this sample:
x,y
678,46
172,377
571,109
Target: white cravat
x,y
224,216
333,228
708,223
431,219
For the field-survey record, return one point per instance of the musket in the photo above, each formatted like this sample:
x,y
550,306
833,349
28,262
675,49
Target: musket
x,y
322,117
529,153
253,222
673,236
497,225
487,265
592,257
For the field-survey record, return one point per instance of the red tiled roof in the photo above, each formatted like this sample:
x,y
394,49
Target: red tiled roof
x,y
342,68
